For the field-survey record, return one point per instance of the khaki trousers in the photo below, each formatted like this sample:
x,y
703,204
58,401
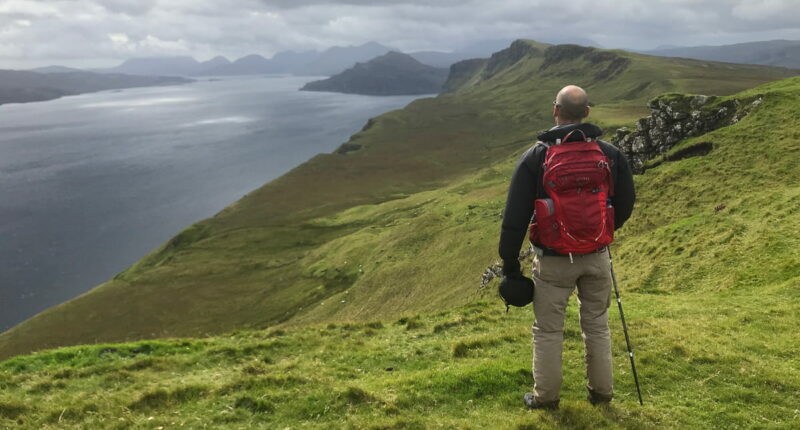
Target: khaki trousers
x,y
556,277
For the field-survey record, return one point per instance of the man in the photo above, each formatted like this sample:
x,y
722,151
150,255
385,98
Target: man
x,y
557,275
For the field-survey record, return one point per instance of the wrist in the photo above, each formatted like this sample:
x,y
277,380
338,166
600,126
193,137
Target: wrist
x,y
511,267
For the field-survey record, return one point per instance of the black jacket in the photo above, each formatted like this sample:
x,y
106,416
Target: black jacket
x,y
526,186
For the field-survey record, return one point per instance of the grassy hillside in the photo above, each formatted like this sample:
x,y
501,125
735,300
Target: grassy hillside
x,y
466,368
406,218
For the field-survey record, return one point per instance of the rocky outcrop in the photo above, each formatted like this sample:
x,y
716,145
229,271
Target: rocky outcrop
x,y
501,60
673,118
604,64
612,64
350,145
481,69
561,53
461,72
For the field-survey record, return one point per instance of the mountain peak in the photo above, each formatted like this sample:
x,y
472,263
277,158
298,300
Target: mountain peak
x,y
396,58
219,59
373,44
164,59
393,73
250,58
174,65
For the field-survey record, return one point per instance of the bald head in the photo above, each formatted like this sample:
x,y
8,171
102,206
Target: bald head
x,y
572,105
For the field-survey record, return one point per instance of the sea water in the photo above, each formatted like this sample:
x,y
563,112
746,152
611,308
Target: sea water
x,y
91,183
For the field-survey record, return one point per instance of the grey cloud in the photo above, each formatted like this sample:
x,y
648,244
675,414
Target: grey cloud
x,y
127,7
72,31
293,4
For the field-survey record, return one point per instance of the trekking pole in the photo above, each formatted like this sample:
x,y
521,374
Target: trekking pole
x,y
624,327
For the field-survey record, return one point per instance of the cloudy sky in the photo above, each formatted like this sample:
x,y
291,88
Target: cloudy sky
x,y
104,32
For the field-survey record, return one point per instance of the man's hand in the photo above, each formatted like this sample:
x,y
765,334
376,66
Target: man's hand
x,y
516,289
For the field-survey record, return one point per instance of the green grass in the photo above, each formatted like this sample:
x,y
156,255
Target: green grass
x,y
465,368
357,284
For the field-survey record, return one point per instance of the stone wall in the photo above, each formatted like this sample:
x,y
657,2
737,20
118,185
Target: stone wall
x,y
673,118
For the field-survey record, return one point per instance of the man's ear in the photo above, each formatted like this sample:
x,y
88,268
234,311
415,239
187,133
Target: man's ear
x,y
586,111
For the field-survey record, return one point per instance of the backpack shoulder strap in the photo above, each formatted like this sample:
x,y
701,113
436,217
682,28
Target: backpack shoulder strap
x,y
546,146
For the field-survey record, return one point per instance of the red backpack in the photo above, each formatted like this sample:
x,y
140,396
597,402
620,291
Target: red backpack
x,y
577,218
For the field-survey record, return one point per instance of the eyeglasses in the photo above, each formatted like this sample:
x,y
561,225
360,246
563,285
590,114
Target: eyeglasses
x,y
555,103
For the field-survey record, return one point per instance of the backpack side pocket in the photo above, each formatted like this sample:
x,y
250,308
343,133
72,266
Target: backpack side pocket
x,y
547,224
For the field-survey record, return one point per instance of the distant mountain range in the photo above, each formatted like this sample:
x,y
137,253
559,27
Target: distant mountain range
x,y
408,75
55,69
412,73
393,73
784,53
336,59
166,66
312,63
302,63
18,86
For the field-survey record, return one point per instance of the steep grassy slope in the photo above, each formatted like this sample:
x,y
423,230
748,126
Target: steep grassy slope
x,y
404,220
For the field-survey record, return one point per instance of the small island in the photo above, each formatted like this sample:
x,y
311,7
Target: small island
x,y
391,74
19,86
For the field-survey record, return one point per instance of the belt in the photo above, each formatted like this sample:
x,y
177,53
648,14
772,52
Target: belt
x,y
552,253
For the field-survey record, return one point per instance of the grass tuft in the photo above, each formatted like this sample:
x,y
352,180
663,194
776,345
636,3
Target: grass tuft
x,y
256,406
162,398
12,410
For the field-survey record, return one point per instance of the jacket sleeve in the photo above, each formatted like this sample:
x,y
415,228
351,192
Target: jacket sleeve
x,y
624,192
518,212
